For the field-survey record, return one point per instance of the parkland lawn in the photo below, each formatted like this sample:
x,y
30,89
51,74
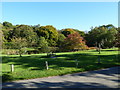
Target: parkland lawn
x,y
33,66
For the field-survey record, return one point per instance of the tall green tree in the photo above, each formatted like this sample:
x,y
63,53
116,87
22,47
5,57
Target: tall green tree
x,y
103,35
50,33
25,31
61,39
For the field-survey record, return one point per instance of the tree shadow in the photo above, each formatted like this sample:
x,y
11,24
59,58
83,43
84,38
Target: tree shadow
x,y
49,84
87,62
68,60
102,74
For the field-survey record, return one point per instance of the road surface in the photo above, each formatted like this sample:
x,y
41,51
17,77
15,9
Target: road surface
x,y
105,78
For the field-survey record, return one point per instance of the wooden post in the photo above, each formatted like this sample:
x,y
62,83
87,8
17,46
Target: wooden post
x,y
46,65
12,68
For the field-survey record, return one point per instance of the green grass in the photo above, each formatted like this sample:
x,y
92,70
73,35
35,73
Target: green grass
x,y
33,66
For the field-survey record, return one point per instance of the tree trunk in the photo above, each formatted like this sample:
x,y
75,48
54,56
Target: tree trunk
x,y
20,53
99,48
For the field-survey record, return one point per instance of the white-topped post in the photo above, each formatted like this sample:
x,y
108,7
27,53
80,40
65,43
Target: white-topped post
x,y
46,65
12,68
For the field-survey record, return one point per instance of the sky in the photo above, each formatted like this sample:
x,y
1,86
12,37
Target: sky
x,y
77,15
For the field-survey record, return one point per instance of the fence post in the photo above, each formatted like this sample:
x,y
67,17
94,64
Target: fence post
x,y
12,68
46,65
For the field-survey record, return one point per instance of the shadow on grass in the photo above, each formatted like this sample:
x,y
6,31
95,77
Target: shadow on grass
x,y
68,60
85,61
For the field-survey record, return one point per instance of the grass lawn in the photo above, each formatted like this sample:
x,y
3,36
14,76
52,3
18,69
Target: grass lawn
x,y
33,66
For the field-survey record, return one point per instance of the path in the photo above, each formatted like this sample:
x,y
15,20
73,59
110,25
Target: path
x,y
105,78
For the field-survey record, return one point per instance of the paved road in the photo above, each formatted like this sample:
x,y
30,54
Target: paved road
x,y
105,78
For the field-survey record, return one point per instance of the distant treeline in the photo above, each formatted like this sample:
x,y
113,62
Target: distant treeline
x,y
67,39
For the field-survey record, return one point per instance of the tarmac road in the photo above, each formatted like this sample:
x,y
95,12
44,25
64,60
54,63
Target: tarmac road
x,y
105,78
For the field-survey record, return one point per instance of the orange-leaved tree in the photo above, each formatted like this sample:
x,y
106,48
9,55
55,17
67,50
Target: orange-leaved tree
x,y
74,41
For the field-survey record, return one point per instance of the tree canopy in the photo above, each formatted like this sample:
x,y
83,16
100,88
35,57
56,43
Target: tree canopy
x,y
73,41
37,36
104,35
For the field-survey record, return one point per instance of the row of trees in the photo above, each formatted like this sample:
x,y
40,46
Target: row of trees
x,y
43,37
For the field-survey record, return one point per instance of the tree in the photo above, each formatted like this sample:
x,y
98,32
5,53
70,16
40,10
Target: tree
x,y
117,38
67,31
43,45
74,41
82,33
19,43
50,33
3,41
109,40
25,31
7,25
103,35
61,39
1,34
7,29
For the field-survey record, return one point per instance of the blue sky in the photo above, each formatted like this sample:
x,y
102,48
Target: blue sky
x,y
77,15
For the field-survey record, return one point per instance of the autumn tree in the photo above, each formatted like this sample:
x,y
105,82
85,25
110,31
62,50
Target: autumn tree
x,y
73,41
